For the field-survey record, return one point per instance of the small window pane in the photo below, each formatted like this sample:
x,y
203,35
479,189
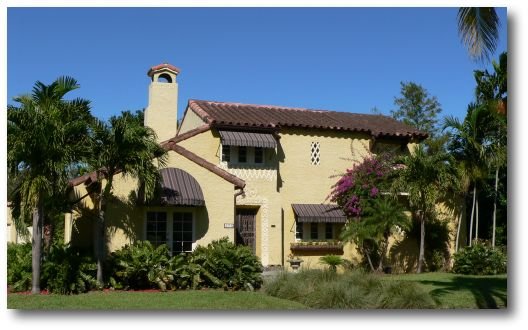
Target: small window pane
x,y
299,230
259,155
226,153
242,154
314,231
187,226
329,231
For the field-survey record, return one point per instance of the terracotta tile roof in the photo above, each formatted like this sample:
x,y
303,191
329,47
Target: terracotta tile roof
x,y
269,116
163,66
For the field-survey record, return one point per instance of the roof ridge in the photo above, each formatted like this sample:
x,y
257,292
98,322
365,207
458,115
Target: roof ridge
x,y
263,106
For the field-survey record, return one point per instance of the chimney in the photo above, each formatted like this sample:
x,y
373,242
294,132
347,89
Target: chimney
x,y
162,111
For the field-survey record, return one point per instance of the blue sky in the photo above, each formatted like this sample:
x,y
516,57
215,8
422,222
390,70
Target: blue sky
x,y
344,59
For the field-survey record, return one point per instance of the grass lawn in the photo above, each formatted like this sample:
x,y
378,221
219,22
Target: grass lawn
x,y
461,291
205,300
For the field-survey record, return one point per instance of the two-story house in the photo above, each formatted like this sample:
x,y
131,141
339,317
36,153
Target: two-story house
x,y
258,174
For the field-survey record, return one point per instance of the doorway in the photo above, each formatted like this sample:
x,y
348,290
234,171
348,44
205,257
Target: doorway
x,y
245,227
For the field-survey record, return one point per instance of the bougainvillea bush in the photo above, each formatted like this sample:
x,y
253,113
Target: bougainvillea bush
x,y
364,181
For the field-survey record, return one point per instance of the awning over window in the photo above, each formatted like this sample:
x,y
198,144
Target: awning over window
x,y
248,139
318,213
180,188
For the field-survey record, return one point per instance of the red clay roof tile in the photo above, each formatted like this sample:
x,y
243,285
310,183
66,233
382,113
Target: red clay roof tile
x,y
268,116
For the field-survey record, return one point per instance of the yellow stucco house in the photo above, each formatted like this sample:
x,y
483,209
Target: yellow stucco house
x,y
258,174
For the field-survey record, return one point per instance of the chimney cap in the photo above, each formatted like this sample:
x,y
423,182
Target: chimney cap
x,y
162,67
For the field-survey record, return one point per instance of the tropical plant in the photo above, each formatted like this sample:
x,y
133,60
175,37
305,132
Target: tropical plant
x,y
19,266
67,270
332,261
143,266
230,266
123,145
478,28
480,259
425,178
470,146
45,135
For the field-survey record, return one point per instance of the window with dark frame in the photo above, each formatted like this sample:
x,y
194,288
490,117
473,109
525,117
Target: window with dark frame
x,y
226,153
299,230
156,228
182,233
242,154
329,231
259,155
314,234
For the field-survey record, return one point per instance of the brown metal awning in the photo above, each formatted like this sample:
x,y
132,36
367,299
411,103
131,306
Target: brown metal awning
x,y
318,213
180,188
247,139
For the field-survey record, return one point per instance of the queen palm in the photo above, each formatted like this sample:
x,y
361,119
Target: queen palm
x,y
46,134
123,145
425,177
478,28
470,144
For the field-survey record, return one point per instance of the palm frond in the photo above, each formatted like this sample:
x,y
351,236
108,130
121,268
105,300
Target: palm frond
x,y
478,29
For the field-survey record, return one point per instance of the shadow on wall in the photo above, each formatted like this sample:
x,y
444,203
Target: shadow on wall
x,y
404,254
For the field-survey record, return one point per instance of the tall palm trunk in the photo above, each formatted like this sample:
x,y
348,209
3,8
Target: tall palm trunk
x,y
495,207
100,231
385,247
476,220
36,251
421,256
472,214
458,229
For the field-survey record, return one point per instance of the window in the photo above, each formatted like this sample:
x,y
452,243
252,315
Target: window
x,y
313,231
315,153
226,153
157,228
329,231
182,232
259,155
298,230
242,154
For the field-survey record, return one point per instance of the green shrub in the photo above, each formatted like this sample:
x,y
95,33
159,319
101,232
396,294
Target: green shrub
x,y
19,266
332,261
67,270
223,264
143,266
480,259
352,290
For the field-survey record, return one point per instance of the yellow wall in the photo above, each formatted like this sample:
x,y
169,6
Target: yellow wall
x,y
162,110
190,120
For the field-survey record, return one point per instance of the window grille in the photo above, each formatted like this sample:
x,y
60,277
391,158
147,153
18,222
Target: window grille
x,y
315,153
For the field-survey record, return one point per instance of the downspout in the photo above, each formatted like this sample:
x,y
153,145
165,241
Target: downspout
x,y
240,192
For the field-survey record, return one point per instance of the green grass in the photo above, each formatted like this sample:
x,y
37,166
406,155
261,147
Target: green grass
x,y
460,291
117,300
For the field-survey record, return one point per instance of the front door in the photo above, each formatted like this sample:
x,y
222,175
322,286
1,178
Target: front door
x,y
245,228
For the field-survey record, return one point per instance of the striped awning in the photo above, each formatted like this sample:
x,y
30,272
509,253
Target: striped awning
x,y
180,188
247,139
318,213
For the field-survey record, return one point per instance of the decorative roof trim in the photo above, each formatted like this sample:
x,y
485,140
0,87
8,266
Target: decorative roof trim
x,y
162,66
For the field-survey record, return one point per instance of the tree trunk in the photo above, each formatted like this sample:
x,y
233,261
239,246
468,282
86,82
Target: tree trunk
x,y
458,230
383,251
367,253
495,208
100,242
476,220
422,239
472,214
36,250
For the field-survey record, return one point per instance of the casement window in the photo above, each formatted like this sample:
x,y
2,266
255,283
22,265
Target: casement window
x,y
259,155
226,153
299,231
182,232
176,231
314,230
329,231
157,228
315,153
242,154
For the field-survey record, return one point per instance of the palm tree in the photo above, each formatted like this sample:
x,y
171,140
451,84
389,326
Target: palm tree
x,y
384,216
473,147
46,134
123,145
332,261
478,28
425,177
